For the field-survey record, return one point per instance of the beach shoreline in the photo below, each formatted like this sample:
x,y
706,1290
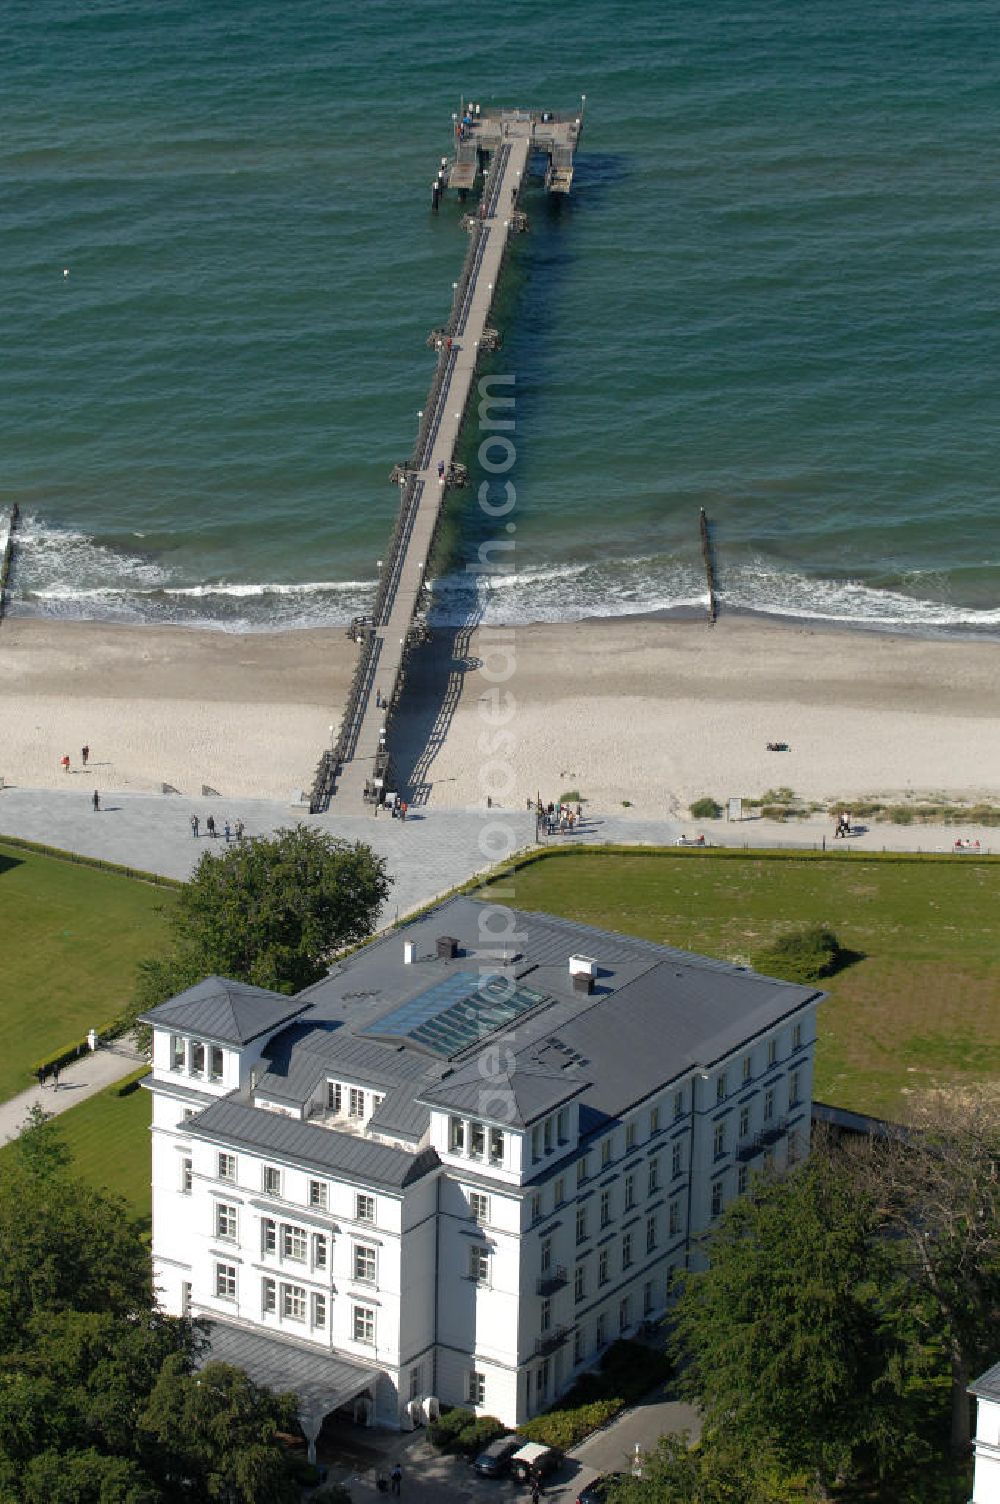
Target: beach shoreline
x,y
652,711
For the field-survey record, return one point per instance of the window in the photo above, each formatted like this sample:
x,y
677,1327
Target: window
x,y
536,1207
547,1135
772,1051
293,1302
720,1088
581,1223
793,1088
602,1329
479,1265
797,1037
197,1058
364,1323
629,1192
602,1267
606,1152
747,1067
496,1146
629,1136
225,1281
623,1305
478,1140
476,1388
675,1159
536,1142
319,1310
225,1221
215,1063
654,1121
177,1052
559,1192
334,1097
719,1140
626,1250
742,1180
272,1181
577,1346
678,1104
377,1102
744,1121
579,1282
364,1208
356,1103
186,1292
364,1262
479,1206
605,1208
716,1197
318,1194
792,1152
546,1255
416,1381
545,1316
227,1167
268,1235
769,1161
187,1176
456,1135
650,1234
769,1104
268,1296
293,1243
581,1170
674,1224
187,1113
319,1251
562,1125
653,1177
647,1297
542,1379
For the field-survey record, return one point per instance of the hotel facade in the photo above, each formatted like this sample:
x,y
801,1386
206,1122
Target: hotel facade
x,y
466,1161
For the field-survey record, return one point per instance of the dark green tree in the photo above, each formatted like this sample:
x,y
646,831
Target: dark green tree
x,y
271,911
39,1147
713,1473
215,1431
84,1477
789,1334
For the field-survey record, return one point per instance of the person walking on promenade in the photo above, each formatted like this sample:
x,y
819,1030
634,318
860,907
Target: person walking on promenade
x,y
97,801
65,763
84,755
55,1078
227,832
195,822
210,826
396,1479
239,831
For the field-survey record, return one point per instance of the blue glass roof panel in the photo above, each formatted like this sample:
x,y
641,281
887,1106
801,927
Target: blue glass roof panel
x,y
455,1012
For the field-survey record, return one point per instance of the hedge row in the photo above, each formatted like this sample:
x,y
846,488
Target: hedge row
x,y
627,1371
155,878
459,1431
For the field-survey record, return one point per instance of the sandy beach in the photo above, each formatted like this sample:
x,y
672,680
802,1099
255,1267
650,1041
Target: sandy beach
x,y
653,712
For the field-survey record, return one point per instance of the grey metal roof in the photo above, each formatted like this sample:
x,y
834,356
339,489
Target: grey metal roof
x,y
227,1012
987,1386
321,1380
235,1121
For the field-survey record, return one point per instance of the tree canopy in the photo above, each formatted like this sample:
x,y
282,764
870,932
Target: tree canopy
x,y
272,911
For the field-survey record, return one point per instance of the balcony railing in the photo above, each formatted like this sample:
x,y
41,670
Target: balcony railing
x,y
551,1281
550,1340
749,1148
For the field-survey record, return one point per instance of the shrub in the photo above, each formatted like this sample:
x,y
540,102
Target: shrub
x,y
442,1432
803,955
331,1493
774,811
473,1439
628,1371
900,814
563,1428
705,808
572,796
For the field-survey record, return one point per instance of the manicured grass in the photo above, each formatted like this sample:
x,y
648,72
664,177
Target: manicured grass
x,y
71,936
919,1008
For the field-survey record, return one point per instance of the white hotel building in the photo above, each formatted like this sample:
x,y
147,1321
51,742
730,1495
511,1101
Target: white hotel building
x,y
461,1167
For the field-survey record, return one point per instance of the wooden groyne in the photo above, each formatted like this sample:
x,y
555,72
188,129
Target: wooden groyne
x,y
709,558
358,764
7,556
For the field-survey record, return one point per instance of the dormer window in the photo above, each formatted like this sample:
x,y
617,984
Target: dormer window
x,y
496,1146
334,1097
356,1107
456,1136
178,1052
197,1058
478,1141
215,1063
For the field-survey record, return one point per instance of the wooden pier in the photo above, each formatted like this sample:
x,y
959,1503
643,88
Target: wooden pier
x,y
358,767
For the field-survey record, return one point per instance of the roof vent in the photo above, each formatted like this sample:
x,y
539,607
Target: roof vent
x,y
583,982
447,947
582,966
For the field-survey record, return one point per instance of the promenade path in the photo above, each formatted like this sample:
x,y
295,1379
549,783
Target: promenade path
x,y
84,1078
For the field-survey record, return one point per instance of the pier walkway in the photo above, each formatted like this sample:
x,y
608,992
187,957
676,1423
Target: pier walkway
x,y
358,767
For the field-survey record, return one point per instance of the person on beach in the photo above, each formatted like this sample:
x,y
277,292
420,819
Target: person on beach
x,y
84,755
65,763
210,826
97,801
195,823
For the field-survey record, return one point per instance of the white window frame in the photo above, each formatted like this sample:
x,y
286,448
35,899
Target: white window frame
x,y
356,1103
268,1296
674,1223
294,1302
196,1053
605,1218
479,1265
318,1312
651,1233
653,1176
334,1098
178,1052
676,1159
479,1206
268,1235
225,1276
475,1388
629,1192
629,1136
626,1251
718,1198
364,1207
225,1166
216,1055
363,1324
320,1251
187,1175
319,1194
456,1135
226,1224
719,1141
271,1180
580,1283
294,1243
364,1263
603,1267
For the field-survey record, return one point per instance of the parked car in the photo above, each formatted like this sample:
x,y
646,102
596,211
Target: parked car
x,y
534,1462
495,1461
597,1490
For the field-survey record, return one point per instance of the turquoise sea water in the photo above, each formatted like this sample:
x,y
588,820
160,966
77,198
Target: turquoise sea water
x,y
773,293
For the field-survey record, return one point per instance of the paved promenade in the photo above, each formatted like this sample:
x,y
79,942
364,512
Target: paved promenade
x,y
84,1078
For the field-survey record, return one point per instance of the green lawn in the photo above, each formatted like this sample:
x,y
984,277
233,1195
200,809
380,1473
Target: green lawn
x,y
921,1005
71,937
